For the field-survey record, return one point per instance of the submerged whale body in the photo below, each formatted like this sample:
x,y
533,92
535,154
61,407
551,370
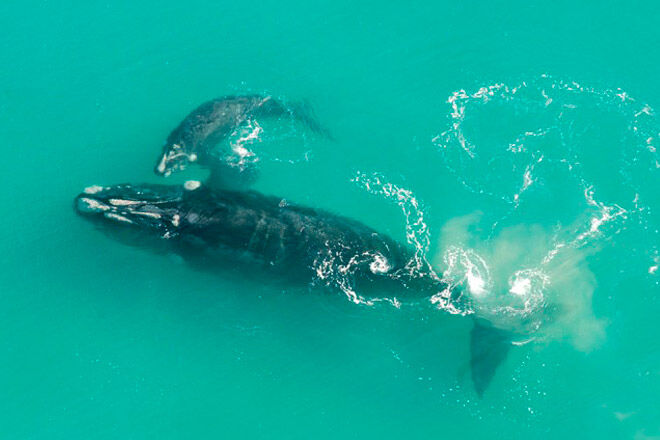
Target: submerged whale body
x,y
198,138
214,226
296,242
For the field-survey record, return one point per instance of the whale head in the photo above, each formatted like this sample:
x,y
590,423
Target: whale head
x,y
175,157
145,207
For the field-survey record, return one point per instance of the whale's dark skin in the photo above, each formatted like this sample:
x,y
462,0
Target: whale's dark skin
x,y
197,137
211,226
297,242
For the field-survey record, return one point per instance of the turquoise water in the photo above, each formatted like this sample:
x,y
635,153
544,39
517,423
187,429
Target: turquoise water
x,y
514,144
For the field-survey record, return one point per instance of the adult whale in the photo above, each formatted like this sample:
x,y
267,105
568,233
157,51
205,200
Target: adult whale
x,y
198,138
215,227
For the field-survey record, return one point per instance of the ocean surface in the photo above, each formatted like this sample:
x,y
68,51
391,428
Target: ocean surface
x,y
512,144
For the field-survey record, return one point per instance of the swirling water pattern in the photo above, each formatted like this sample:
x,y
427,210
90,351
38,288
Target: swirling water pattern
x,y
512,146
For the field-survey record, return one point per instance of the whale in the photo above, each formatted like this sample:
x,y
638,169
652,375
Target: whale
x,y
200,135
214,228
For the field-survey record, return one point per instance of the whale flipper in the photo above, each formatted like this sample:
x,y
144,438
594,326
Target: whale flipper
x,y
488,348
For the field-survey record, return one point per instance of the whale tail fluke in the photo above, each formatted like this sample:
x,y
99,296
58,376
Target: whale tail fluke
x,y
301,111
304,112
488,349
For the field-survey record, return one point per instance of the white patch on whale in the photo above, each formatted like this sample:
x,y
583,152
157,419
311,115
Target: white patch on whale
x,y
93,189
147,214
94,205
175,152
122,202
192,185
161,165
121,218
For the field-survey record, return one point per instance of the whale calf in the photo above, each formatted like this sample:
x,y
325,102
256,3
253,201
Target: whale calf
x,y
198,138
218,227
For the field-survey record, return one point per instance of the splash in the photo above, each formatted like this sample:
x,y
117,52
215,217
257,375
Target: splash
x,y
332,270
576,160
258,141
417,235
251,143
281,139
522,280
241,142
417,231
528,133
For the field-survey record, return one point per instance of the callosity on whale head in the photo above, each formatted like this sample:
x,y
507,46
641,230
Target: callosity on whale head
x,y
175,157
146,206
